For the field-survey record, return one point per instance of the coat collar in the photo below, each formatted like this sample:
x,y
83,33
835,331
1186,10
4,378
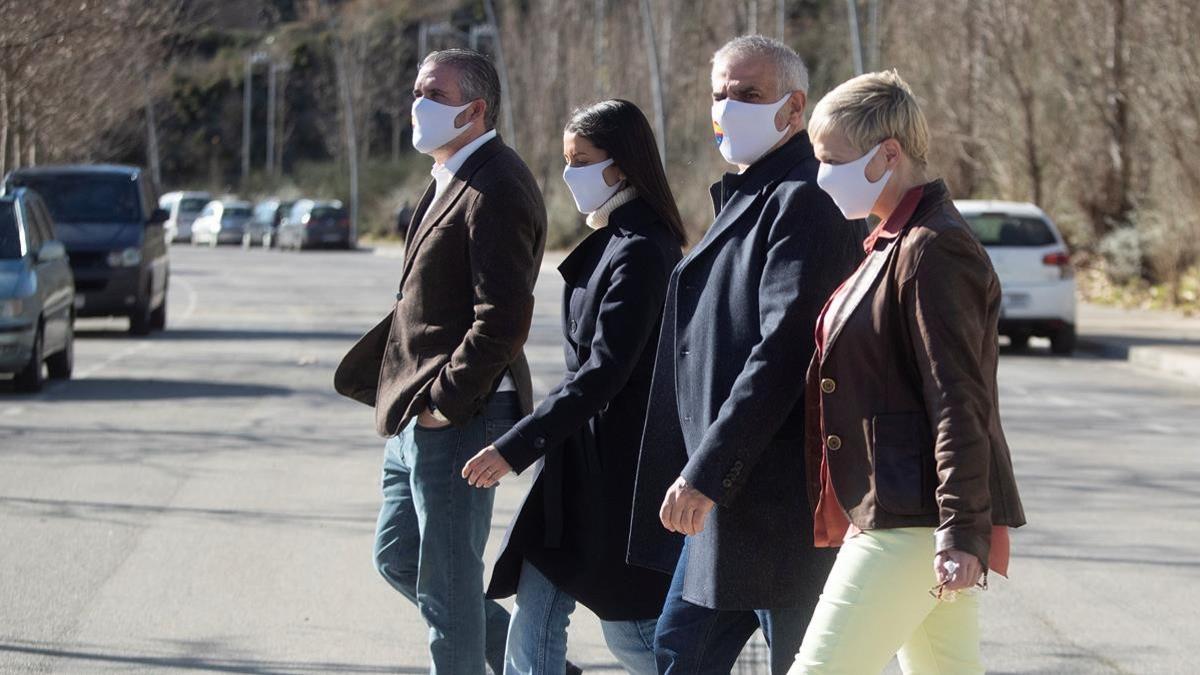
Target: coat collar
x,y
734,194
438,209
632,218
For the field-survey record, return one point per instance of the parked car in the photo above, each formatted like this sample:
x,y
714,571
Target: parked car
x,y
264,226
223,221
37,294
313,223
182,209
107,217
1034,266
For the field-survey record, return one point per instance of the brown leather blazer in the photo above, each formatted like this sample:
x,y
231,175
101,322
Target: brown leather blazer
x,y
465,304
904,393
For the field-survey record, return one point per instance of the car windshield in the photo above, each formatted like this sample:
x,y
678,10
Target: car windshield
x,y
192,205
10,237
235,213
326,212
998,229
87,199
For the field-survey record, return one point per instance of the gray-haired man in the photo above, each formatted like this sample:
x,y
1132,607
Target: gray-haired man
x,y
725,428
445,370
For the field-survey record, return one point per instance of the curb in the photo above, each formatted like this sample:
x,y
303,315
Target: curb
x,y
1161,359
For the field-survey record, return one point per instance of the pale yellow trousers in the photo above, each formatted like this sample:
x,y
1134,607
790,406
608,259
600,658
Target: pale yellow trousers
x,y
876,604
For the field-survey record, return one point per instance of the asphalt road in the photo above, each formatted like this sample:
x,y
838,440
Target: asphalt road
x,y
201,500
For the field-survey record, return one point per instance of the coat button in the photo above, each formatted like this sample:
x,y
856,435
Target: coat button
x,y
727,483
539,442
834,442
828,386
574,326
399,296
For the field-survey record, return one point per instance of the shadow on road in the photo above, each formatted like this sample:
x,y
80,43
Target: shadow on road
x,y
92,654
361,519
118,389
202,334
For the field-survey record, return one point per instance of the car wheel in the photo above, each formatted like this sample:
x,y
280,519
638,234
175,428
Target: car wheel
x,y
140,321
247,242
30,379
1019,341
62,364
158,317
268,240
1063,342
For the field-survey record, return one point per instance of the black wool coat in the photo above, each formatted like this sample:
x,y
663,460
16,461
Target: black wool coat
x,y
584,438
726,409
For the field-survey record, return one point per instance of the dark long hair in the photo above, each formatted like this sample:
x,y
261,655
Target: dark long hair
x,y
619,128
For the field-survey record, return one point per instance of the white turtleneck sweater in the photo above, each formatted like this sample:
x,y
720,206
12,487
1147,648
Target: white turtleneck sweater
x,y
599,218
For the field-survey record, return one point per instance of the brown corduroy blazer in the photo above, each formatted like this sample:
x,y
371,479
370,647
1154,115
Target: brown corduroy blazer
x,y
463,310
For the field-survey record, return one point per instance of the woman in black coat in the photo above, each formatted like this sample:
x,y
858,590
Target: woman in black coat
x,y
569,539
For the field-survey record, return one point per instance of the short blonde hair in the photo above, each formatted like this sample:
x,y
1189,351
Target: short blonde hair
x,y
872,108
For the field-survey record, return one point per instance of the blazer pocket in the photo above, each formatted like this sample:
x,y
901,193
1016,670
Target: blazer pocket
x,y
902,455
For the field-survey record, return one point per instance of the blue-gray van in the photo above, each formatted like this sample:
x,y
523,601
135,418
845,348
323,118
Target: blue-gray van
x,y
109,220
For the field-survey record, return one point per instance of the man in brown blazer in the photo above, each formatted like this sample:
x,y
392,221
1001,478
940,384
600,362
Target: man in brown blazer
x,y
446,371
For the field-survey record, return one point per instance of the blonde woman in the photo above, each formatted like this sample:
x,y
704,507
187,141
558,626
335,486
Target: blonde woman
x,y
913,476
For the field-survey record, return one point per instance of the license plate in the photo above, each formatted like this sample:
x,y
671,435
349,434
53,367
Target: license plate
x,y
331,237
79,301
1014,301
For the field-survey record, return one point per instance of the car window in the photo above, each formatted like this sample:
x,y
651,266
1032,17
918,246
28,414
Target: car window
x,y
191,205
51,233
235,212
41,220
10,235
327,212
87,198
998,229
33,233
208,210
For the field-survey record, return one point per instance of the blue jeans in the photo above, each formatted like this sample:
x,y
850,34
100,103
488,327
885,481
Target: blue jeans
x,y
695,640
430,538
537,635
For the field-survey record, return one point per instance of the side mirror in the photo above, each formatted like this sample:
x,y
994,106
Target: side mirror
x,y
158,217
51,250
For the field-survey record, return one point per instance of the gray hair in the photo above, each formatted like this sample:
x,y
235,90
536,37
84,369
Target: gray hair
x,y
793,74
476,77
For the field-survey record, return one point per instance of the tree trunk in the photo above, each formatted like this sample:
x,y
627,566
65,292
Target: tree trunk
x,y
656,88
4,123
506,115
347,104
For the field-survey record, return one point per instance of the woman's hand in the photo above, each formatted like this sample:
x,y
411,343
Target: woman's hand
x,y
485,469
962,572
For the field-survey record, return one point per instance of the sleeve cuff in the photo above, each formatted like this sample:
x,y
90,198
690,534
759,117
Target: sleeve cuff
x,y
522,445
971,542
710,483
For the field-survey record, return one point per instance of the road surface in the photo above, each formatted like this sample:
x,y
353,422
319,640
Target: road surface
x,y
201,500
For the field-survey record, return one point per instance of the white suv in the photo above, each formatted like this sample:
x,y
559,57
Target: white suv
x,y
1034,266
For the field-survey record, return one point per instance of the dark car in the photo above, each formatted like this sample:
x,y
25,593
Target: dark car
x,y
37,294
314,223
108,218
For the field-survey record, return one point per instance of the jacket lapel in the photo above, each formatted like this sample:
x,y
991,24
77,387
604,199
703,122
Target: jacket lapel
x,y
441,207
863,280
758,181
860,284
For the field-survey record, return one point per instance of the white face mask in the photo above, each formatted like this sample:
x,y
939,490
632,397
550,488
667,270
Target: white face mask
x,y
847,184
433,124
588,186
746,131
